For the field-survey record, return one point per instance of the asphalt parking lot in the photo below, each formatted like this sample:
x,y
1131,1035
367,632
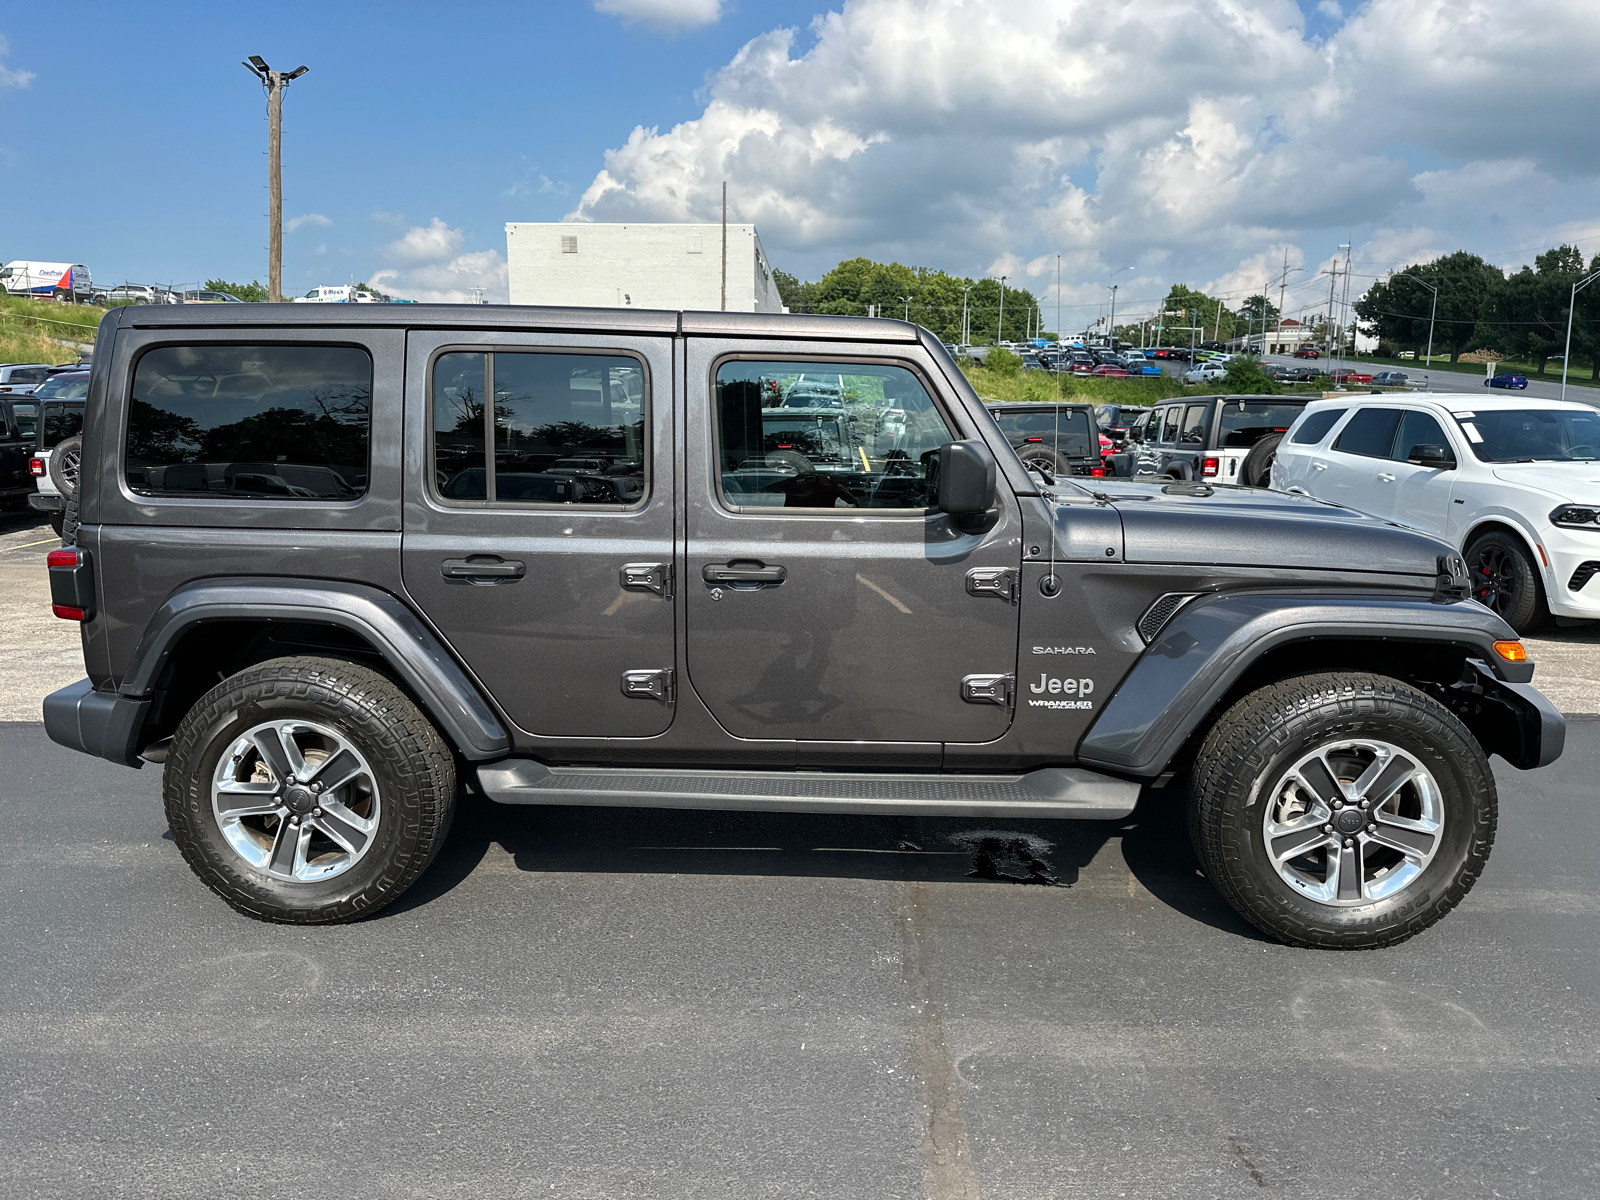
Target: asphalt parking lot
x,y
613,1003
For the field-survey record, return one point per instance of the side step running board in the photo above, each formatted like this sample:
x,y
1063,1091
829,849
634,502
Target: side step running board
x,y
1049,792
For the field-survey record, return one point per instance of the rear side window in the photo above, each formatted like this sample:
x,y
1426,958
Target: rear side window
x,y
61,421
27,416
1169,424
28,375
566,428
1194,425
1316,426
251,422
1244,423
1370,432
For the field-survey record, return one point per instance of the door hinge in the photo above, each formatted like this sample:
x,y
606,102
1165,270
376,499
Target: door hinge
x,y
648,577
992,581
989,689
649,685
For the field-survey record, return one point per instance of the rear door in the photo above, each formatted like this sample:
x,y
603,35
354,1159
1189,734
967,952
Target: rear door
x,y
825,600
1360,469
539,521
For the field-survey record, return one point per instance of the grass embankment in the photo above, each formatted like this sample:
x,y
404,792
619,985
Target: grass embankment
x,y
34,330
1146,389
1552,373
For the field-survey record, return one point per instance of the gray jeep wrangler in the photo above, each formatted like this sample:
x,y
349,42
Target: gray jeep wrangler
x,y
331,559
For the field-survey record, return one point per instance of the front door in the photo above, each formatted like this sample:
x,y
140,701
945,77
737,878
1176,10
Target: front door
x,y
539,522
1420,496
826,601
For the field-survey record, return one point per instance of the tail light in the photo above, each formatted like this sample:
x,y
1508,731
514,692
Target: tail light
x,y
71,584
36,467
1097,472
1209,468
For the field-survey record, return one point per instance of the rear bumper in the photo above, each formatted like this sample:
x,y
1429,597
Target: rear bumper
x,y
104,724
43,502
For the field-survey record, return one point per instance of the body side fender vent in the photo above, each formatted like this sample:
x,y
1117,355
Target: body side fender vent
x,y
1158,614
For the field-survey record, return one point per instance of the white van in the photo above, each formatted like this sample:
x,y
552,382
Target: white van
x,y
47,280
343,294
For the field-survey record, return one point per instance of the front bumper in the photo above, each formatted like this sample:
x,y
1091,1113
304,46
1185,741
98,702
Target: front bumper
x,y
1569,555
104,724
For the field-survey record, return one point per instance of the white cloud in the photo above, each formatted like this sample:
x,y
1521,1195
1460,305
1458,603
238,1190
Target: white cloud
x,y
8,76
1330,9
1189,138
437,271
426,243
664,14
296,223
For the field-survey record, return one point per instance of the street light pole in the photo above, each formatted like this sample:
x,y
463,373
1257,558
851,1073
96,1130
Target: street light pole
x,y
966,325
907,300
274,82
1566,357
1434,311
1000,325
1058,297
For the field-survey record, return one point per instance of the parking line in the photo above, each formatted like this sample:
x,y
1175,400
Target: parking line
x,y
25,545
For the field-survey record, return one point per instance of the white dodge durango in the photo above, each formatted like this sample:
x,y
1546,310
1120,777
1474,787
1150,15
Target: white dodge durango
x,y
1513,483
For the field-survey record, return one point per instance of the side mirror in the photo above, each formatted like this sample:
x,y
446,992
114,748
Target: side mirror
x,y
966,479
1438,458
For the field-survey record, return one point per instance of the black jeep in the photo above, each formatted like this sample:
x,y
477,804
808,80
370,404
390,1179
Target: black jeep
x,y
333,559
1061,438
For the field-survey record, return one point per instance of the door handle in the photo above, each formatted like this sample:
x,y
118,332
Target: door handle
x,y
1319,466
490,568
743,571
1385,476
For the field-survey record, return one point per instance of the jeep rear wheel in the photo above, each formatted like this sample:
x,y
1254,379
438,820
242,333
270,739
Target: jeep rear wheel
x,y
308,790
1342,811
1045,457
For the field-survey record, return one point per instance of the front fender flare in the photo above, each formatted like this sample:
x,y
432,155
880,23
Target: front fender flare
x,y
1204,650
409,647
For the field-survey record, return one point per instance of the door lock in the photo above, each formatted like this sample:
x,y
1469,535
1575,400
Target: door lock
x,y
989,689
992,581
647,577
648,685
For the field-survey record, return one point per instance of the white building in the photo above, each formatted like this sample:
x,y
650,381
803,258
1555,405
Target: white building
x,y
591,265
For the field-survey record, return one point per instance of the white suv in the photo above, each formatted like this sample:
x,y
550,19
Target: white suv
x,y
1513,483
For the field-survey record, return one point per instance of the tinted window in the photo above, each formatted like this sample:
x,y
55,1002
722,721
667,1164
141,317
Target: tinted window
x,y
863,436
568,428
1418,429
61,421
64,387
1316,426
1066,430
1529,434
27,375
1194,425
27,418
251,422
1245,424
1370,432
1169,424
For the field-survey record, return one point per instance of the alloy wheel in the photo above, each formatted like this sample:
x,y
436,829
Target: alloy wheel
x,y
296,800
1353,822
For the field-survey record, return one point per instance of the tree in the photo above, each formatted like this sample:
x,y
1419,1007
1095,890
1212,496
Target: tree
x,y
1526,313
859,285
1185,306
1397,310
1258,311
1245,376
250,293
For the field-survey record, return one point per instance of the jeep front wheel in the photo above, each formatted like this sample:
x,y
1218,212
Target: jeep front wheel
x,y
1342,811
308,790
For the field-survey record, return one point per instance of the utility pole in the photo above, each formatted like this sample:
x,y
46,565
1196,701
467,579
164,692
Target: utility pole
x,y
1344,309
274,82
1333,283
724,245
1283,282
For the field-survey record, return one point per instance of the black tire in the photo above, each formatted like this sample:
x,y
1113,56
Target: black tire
x,y
66,461
1505,579
1045,457
1256,470
408,766
1236,782
57,520
69,522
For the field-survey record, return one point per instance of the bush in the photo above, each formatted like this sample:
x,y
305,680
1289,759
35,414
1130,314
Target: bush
x,y
1245,375
1002,362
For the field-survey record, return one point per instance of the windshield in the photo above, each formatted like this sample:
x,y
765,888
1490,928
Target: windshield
x,y
1532,435
64,387
1246,424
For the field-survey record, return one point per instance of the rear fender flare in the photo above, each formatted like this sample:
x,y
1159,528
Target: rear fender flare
x,y
409,647
1211,643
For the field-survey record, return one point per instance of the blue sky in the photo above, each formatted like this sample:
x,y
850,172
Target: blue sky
x,y
1197,141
